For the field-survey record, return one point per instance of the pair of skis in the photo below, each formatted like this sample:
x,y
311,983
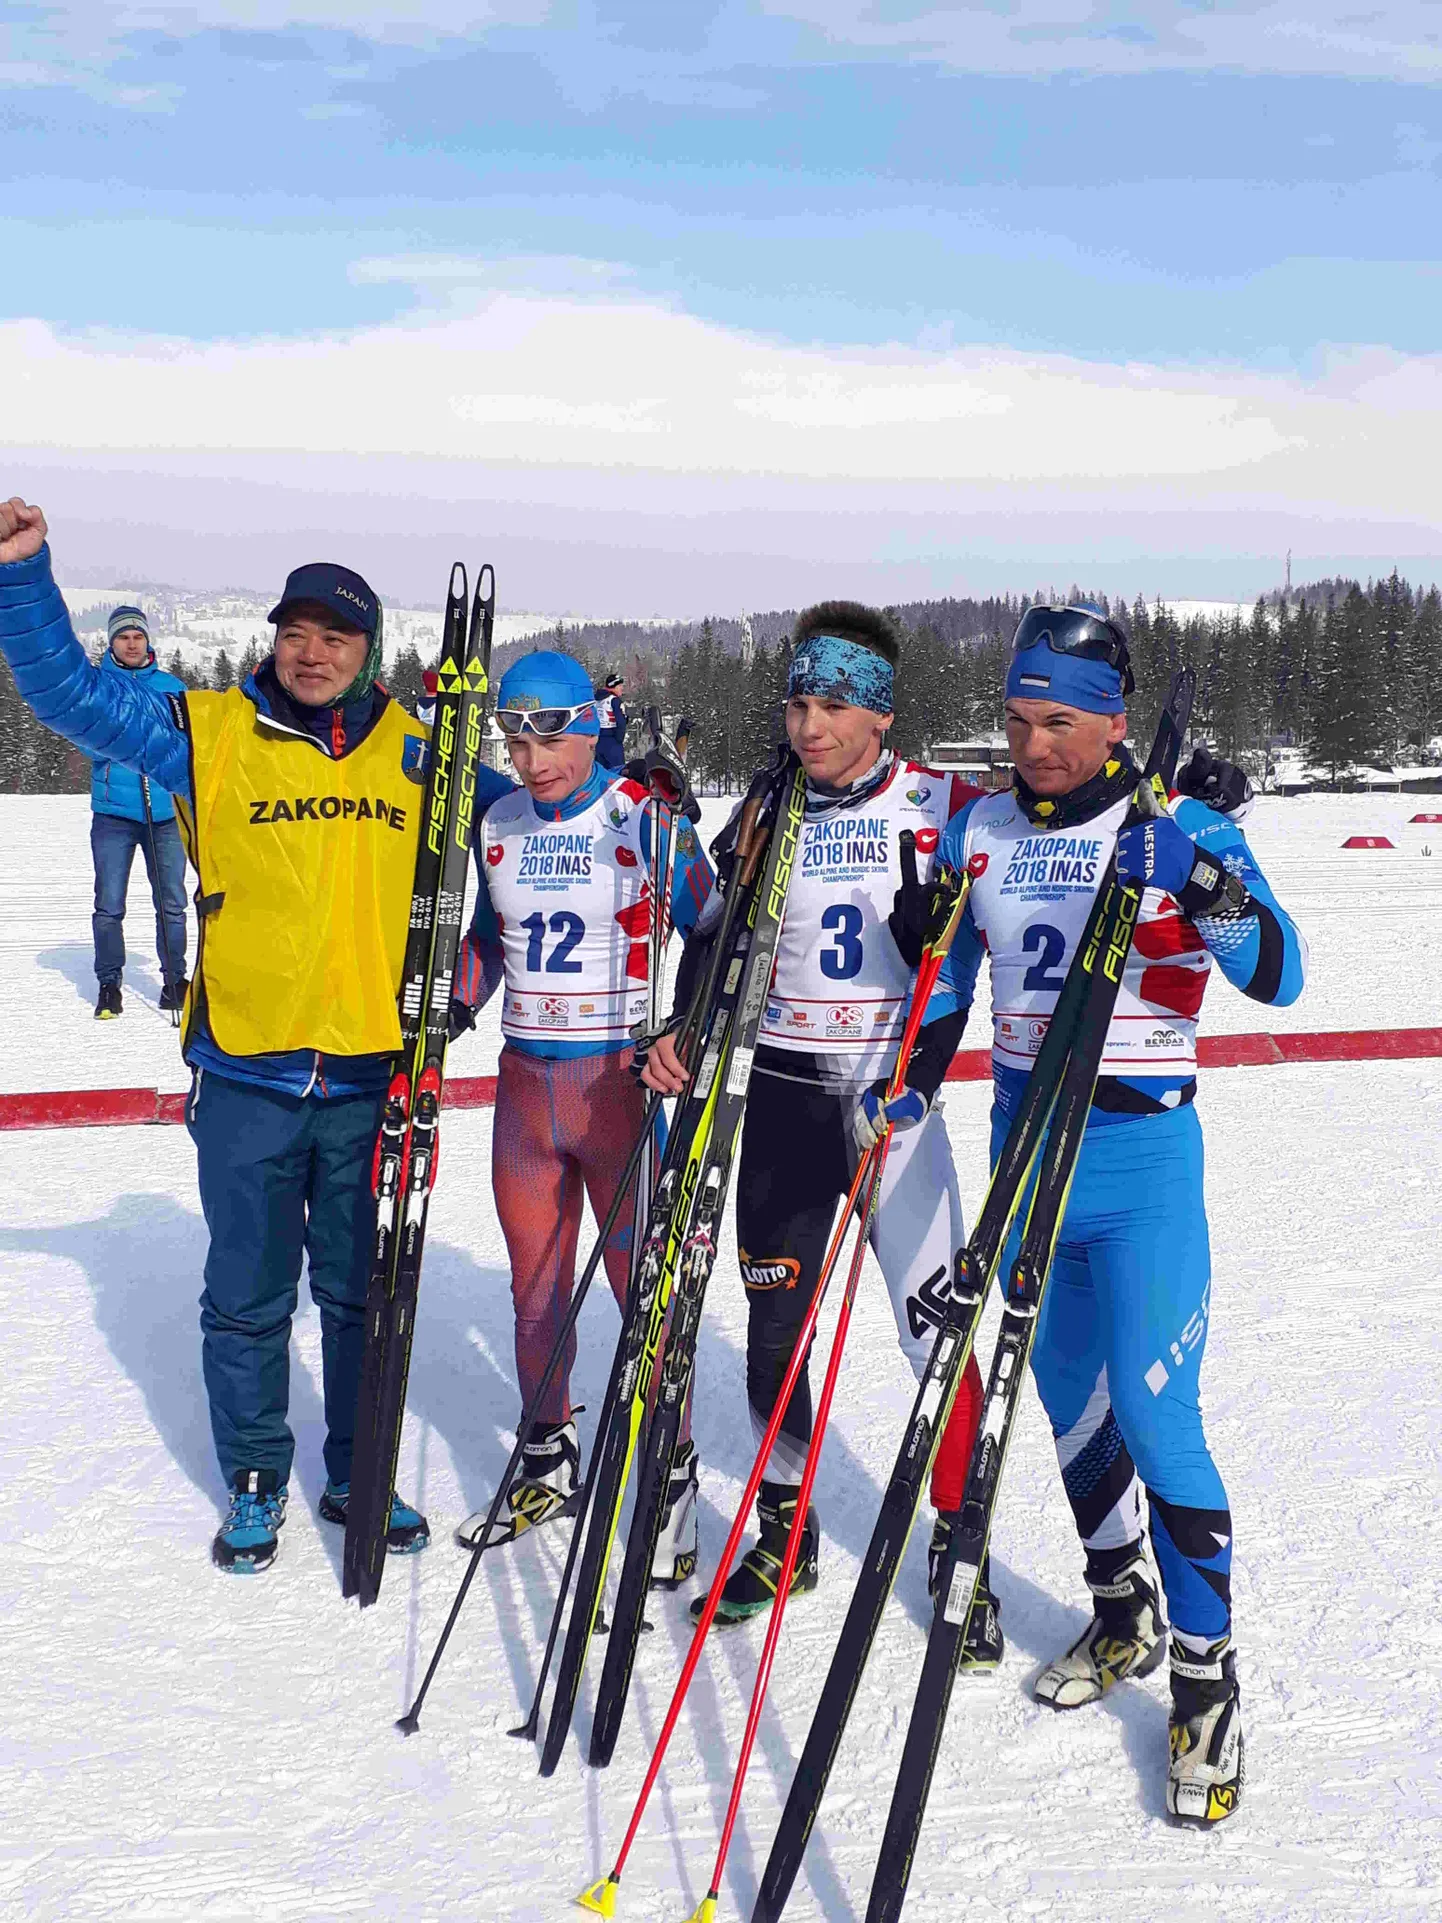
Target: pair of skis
x,y
677,1256
408,1144
494,1533
948,899
1055,1106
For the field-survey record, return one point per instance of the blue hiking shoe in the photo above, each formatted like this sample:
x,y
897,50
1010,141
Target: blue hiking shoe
x,y
409,1531
248,1539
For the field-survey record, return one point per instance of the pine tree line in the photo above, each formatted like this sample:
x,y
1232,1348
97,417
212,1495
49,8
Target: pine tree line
x,y
1348,676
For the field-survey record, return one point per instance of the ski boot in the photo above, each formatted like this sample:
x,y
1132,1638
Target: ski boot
x,y
751,1587
172,995
408,1532
984,1645
1208,1757
676,1546
108,1003
1124,1638
545,1486
248,1539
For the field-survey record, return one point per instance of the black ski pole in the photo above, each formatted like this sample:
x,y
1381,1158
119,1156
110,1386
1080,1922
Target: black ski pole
x,y
165,960
528,1729
690,1028
410,1722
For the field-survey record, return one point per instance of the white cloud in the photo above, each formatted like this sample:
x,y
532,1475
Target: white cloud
x,y
1397,41
615,386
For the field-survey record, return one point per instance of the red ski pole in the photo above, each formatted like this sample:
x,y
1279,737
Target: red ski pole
x,y
600,1897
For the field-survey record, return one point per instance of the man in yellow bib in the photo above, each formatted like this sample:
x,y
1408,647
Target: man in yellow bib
x,y
299,795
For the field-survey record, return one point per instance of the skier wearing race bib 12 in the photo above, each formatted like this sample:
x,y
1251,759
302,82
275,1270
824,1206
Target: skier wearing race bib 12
x,y
846,961
561,926
1124,1321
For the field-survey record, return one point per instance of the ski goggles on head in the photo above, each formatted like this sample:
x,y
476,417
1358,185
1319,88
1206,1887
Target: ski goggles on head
x,y
1073,656
1081,632
545,721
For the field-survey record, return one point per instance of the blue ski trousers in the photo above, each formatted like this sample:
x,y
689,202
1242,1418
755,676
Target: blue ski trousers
x,y
281,1178
113,842
1118,1356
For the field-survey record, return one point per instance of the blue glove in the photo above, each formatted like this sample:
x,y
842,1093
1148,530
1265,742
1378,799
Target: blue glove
x,y
870,1117
1158,854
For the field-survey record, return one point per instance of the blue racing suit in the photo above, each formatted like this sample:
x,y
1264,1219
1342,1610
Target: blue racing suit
x,y
1123,1325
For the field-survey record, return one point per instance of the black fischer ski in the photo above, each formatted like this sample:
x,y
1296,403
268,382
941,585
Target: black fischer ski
x,y
753,913
633,1363
1103,957
975,1270
695,1263
407,1146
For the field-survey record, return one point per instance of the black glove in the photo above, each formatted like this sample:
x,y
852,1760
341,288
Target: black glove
x,y
459,1017
644,1040
664,773
909,905
1220,784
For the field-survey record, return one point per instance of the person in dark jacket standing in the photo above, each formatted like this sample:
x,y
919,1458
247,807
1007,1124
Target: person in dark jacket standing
x,y
299,797
611,746
118,826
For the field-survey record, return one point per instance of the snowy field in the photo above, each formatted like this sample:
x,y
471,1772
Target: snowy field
x,y
178,1745
1374,922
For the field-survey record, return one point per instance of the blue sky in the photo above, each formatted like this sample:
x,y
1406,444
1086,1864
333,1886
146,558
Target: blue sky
x,y
1243,197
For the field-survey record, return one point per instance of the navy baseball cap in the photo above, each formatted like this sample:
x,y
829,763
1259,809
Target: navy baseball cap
x,y
340,590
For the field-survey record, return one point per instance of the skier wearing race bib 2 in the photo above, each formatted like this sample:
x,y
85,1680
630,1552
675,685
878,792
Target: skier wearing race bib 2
x,y
1123,1324
561,926
845,964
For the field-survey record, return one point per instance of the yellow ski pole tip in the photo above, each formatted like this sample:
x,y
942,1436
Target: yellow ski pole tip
x,y
705,1910
600,1898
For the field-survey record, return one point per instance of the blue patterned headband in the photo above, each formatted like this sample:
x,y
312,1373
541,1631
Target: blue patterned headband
x,y
840,670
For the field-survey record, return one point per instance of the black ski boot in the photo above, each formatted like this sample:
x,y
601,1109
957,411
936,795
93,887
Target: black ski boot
x,y
751,1587
1126,1636
984,1645
108,1003
172,995
1208,1764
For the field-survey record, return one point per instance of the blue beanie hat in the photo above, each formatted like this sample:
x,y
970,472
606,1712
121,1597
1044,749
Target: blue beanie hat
x,y
1040,674
1042,669
126,617
547,679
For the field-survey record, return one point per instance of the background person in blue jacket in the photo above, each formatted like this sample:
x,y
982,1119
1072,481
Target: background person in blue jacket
x,y
117,829
299,797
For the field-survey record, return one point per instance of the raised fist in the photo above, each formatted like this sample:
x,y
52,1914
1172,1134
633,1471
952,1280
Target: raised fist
x,y
22,530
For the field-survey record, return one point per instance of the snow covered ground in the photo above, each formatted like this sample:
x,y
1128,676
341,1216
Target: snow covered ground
x,y
1374,921
178,1745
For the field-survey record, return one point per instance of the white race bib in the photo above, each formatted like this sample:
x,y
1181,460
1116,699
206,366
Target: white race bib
x,y
573,900
1032,891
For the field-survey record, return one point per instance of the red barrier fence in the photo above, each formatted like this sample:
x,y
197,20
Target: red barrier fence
x,y
111,1107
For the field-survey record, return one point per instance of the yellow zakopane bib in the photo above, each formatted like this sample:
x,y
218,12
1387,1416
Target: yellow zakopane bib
x,y
306,867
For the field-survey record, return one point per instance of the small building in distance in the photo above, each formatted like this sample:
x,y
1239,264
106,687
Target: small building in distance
x,y
985,763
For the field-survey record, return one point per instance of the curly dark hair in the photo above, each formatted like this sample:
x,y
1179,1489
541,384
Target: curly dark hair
x,y
853,621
